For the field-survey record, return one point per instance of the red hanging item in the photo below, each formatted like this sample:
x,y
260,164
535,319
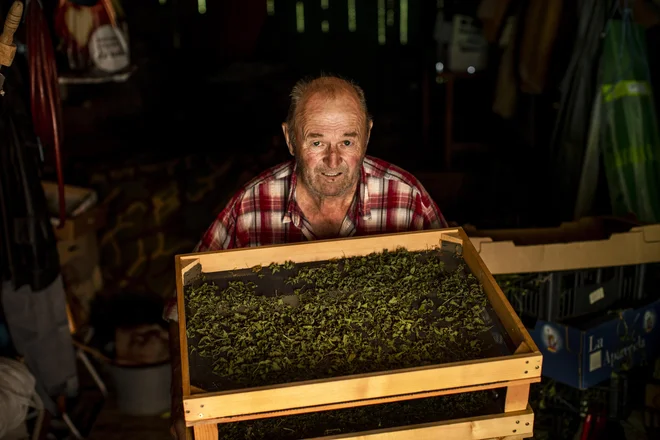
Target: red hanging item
x,y
92,36
44,91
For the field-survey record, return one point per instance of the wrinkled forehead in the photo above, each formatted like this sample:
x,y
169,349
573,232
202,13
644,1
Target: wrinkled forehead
x,y
330,113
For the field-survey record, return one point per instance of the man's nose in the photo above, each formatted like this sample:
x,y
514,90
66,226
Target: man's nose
x,y
332,158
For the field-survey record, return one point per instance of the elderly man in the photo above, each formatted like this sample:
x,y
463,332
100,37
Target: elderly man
x,y
331,189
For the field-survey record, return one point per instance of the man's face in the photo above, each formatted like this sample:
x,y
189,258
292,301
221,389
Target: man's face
x,y
330,145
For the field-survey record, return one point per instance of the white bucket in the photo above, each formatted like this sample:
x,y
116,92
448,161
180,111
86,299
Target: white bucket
x,y
142,390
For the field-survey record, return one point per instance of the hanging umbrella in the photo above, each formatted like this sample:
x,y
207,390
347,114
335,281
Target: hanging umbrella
x,y
28,250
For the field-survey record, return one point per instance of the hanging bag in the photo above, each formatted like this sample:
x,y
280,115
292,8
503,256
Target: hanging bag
x,y
93,36
630,141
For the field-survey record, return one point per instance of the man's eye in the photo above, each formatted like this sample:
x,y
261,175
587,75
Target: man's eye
x,y
316,143
348,143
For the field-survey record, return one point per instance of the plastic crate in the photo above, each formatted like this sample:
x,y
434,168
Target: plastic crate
x,y
613,398
561,409
557,296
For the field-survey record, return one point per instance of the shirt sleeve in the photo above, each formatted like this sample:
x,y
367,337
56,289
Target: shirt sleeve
x,y
427,213
432,217
220,235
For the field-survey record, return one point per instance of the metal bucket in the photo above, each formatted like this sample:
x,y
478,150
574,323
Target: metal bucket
x,y
142,390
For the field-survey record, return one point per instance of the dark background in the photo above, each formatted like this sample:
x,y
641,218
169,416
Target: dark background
x,y
201,114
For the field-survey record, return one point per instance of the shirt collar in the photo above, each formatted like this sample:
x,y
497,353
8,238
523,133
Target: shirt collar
x,y
294,213
364,208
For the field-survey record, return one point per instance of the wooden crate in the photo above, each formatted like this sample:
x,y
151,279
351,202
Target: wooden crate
x,y
514,372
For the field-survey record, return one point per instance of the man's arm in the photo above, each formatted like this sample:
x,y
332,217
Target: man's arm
x,y
429,214
176,390
220,235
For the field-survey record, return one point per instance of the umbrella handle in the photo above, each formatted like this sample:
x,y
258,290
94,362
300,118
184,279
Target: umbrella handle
x,y
7,47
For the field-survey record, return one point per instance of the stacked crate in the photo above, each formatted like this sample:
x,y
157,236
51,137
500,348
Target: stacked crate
x,y
589,293
509,375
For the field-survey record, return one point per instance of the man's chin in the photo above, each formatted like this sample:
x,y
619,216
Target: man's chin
x,y
331,190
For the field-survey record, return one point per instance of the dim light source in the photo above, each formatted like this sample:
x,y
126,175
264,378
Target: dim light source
x,y
381,22
352,18
300,17
403,22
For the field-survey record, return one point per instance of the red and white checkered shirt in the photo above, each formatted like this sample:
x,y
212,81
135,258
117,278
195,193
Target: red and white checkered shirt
x,y
388,199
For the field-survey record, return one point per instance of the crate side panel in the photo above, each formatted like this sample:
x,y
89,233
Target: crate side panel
x,y
320,250
369,386
426,418
507,316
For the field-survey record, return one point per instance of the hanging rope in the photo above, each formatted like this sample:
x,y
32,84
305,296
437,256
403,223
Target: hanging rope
x,y
44,91
17,394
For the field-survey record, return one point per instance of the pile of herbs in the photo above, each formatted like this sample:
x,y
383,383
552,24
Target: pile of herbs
x,y
383,416
384,311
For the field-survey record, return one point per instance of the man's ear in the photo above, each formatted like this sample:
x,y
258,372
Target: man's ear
x,y
288,138
371,124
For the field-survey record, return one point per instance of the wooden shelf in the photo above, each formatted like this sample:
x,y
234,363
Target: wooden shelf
x,y
86,79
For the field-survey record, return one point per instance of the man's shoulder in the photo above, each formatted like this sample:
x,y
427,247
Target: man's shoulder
x,y
379,169
271,183
276,173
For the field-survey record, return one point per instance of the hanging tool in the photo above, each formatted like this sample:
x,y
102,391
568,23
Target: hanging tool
x,y
7,46
45,91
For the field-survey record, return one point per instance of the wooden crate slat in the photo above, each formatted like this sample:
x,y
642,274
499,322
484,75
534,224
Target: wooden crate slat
x,y
319,250
360,387
506,426
197,390
358,403
639,245
515,424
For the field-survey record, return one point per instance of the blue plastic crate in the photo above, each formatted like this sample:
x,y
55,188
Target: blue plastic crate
x,y
557,296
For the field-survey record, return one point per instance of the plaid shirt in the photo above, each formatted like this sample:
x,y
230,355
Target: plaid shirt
x,y
388,199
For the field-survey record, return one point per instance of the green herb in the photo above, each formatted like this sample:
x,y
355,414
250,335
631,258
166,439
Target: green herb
x,y
275,268
357,419
379,312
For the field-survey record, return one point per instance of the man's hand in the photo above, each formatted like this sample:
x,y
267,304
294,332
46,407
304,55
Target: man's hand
x,y
178,429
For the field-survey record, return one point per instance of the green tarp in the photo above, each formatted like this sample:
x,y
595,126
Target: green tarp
x,y
630,142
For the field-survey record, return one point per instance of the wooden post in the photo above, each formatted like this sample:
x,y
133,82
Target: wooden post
x,y
206,432
517,396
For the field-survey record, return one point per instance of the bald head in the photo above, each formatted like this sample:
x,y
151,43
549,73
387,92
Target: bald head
x,y
323,89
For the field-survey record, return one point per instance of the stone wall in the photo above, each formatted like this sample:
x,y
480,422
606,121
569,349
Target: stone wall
x,y
155,211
